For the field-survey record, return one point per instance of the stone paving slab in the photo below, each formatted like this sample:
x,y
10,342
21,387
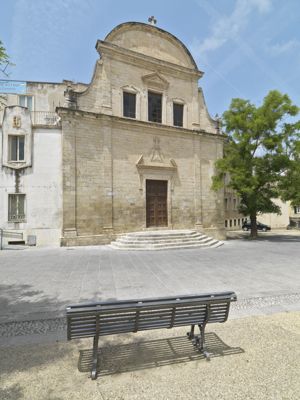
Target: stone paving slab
x,y
39,283
253,358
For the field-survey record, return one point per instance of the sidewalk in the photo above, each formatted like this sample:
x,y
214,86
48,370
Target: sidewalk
x,y
252,358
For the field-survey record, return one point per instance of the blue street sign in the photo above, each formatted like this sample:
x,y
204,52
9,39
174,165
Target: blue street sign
x,y
14,87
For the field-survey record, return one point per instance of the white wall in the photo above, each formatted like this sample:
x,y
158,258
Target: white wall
x,y
274,220
42,184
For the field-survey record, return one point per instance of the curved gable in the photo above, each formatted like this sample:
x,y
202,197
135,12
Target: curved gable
x,y
151,41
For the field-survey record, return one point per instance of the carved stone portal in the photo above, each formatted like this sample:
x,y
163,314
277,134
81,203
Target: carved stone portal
x,y
156,166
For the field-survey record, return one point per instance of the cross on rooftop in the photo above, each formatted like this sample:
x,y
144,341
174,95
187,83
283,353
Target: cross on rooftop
x,y
152,20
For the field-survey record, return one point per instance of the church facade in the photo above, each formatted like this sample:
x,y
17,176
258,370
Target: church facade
x,y
138,146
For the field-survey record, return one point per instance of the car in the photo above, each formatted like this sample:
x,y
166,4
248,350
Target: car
x,y
260,227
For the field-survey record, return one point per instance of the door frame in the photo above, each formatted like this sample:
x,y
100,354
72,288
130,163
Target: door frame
x,y
162,172
166,202
157,177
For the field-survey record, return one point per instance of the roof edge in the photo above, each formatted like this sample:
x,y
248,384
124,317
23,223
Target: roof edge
x,y
173,37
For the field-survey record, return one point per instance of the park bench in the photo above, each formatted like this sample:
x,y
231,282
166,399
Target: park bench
x,y
115,317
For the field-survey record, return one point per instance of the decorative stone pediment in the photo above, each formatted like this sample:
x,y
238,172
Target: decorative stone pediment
x,y
17,137
129,89
156,159
145,163
156,166
155,81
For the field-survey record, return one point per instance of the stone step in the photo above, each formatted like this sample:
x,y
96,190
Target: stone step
x,y
164,240
178,247
206,241
160,234
127,239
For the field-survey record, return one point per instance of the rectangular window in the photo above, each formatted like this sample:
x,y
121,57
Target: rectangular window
x,y
225,223
16,207
129,104
16,146
26,101
234,204
226,203
297,209
154,107
177,114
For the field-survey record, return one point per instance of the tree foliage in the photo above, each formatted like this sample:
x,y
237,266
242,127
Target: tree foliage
x,y
4,61
260,153
290,185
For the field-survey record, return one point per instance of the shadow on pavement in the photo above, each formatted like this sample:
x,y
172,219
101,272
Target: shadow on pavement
x,y
13,392
23,358
24,303
264,237
20,301
279,238
151,354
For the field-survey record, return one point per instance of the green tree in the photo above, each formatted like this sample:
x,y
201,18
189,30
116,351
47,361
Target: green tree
x,y
4,61
290,184
258,153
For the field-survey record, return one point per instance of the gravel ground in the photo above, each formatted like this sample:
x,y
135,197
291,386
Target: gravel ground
x,y
251,358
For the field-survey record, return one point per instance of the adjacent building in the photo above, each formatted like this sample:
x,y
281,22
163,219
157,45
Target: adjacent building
x,y
30,172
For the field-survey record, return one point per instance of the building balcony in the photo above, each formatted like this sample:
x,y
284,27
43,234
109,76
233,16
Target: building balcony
x,y
40,118
45,118
16,218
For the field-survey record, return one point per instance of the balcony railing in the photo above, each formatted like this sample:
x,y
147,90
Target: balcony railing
x,y
16,218
48,118
45,118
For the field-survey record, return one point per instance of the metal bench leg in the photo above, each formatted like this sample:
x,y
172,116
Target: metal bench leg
x,y
95,358
201,342
190,334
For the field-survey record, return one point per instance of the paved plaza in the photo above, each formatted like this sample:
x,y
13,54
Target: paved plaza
x,y
253,356
40,283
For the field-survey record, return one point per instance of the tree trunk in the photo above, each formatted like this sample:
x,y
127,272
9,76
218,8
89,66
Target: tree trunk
x,y
253,234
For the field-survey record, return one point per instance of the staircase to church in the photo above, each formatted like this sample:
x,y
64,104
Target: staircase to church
x,y
164,240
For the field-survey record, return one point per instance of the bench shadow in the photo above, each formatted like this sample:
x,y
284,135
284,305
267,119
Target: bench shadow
x,y
114,359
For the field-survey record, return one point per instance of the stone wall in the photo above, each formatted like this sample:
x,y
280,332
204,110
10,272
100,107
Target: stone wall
x,y
104,182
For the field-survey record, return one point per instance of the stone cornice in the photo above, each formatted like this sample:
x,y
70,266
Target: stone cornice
x,y
143,60
138,124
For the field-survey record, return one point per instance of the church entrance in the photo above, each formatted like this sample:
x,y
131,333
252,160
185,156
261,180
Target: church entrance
x,y
156,203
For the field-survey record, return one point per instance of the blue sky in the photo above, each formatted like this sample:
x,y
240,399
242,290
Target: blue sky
x,y
245,47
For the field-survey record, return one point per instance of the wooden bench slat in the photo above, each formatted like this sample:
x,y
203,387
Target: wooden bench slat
x,y
150,303
203,297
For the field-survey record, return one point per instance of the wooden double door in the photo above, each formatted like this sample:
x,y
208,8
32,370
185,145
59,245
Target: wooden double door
x,y
156,203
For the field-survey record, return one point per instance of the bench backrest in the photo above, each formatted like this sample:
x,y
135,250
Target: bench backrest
x,y
107,318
